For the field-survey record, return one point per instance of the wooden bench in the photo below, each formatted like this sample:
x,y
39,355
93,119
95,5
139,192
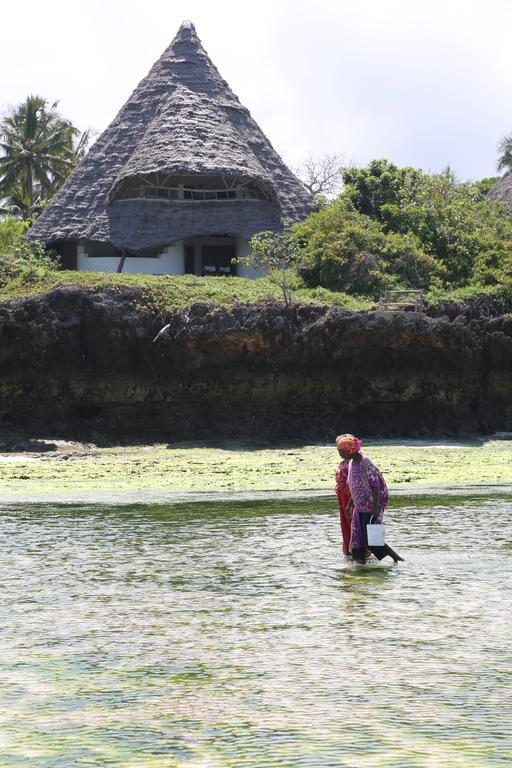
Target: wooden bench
x,y
401,301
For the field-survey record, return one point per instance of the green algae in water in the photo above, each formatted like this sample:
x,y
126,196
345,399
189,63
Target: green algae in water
x,y
242,469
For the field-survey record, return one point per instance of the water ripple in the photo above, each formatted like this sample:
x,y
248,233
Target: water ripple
x,y
236,635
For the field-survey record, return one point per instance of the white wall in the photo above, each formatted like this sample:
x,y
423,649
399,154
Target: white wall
x,y
103,264
169,262
243,249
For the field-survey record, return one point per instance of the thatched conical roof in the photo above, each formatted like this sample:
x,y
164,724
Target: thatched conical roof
x,y
168,146
182,119
502,190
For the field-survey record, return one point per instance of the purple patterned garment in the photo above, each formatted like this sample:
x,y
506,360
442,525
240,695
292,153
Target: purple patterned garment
x,y
362,478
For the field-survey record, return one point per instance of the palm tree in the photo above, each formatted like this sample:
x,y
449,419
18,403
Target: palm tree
x,y
18,204
505,149
39,150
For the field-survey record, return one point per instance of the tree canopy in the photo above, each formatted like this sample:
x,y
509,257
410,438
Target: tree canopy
x,y
272,254
39,149
403,227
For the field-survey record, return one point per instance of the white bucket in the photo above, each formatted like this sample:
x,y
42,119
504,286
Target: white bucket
x,y
376,534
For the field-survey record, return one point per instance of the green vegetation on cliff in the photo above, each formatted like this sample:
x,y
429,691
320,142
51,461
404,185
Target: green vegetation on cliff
x,y
390,228
161,293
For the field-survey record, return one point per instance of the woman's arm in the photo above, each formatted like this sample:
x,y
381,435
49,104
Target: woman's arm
x,y
372,473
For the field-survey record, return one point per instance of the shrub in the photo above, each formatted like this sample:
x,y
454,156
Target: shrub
x,y
20,258
11,234
274,254
467,233
342,249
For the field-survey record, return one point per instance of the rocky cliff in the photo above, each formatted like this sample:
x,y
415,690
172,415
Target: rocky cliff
x,y
79,363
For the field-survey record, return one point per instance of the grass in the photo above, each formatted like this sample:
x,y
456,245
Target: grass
x,y
168,292
162,293
500,295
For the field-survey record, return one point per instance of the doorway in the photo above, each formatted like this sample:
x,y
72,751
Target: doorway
x,y
218,259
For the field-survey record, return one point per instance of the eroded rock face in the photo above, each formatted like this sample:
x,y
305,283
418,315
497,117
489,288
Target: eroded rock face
x,y
73,362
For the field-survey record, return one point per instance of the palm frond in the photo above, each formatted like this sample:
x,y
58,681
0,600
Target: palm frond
x,y
505,150
38,149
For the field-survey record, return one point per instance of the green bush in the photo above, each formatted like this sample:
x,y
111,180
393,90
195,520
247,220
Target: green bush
x,y
345,250
11,234
467,233
494,299
378,185
20,259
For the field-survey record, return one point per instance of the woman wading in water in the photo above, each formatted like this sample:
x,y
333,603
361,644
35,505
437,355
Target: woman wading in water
x,y
362,495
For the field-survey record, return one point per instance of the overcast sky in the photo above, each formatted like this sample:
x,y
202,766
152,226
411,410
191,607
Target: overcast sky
x,y
427,84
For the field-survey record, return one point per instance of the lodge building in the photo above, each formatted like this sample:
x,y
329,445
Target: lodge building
x,y
179,181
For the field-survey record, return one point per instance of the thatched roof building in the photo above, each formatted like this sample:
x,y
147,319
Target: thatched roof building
x,y
502,190
182,166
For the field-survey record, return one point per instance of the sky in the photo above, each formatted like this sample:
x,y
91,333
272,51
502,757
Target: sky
x,y
426,84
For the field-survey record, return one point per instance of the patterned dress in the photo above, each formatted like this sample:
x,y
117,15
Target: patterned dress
x,y
362,477
343,493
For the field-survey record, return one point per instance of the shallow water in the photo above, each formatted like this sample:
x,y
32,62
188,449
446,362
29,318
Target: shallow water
x,y
236,635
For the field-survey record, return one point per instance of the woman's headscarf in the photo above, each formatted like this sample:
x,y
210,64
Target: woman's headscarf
x,y
348,444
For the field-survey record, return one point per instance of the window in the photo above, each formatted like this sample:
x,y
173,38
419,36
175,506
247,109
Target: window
x,y
160,186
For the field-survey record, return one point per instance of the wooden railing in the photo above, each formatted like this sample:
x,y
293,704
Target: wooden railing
x,y
401,301
174,193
